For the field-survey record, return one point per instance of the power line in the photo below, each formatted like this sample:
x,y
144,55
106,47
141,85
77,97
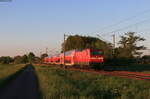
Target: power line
x,y
146,20
127,19
52,50
130,26
103,38
122,21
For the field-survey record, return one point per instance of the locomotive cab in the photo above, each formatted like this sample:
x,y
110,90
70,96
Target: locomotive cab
x,y
96,56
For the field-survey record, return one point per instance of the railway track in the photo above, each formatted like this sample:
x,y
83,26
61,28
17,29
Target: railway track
x,y
123,74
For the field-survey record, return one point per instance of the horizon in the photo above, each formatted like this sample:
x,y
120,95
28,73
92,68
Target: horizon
x,y
32,26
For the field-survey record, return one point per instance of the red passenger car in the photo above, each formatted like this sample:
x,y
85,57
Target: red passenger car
x,y
82,57
47,60
69,58
89,57
86,57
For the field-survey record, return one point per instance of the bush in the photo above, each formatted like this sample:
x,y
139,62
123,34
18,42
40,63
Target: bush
x,y
119,61
6,60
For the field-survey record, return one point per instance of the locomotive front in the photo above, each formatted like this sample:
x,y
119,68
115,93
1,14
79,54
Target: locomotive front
x,y
96,56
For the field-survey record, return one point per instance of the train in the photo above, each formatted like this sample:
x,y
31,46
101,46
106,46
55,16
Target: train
x,y
78,57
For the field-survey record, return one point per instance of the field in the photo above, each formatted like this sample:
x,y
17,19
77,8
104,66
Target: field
x,y
59,83
7,72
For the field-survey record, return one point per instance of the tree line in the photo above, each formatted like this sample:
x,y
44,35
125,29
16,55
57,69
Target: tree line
x,y
127,51
30,58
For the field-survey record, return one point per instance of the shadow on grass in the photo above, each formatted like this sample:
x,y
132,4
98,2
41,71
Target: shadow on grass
x,y
9,79
5,81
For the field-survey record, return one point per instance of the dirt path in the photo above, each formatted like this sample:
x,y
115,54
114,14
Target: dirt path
x,y
23,87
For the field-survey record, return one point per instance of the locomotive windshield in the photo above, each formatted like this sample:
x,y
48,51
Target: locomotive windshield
x,y
96,53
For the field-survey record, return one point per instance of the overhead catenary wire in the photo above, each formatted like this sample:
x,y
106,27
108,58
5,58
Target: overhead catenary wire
x,y
122,21
118,23
127,19
146,20
141,22
103,38
114,32
53,50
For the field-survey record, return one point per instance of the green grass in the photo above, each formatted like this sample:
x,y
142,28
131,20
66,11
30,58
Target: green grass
x,y
56,83
7,72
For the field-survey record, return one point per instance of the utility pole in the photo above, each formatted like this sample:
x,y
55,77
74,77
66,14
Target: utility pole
x,y
114,41
64,48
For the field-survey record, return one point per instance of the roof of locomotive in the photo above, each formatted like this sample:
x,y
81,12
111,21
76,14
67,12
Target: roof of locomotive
x,y
76,50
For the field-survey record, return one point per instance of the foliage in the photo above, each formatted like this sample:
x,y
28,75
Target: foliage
x,y
21,59
128,51
128,45
145,59
31,57
59,83
37,60
43,56
17,59
125,54
82,42
25,59
6,60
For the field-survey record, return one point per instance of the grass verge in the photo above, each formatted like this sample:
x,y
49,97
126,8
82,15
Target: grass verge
x,y
56,83
9,72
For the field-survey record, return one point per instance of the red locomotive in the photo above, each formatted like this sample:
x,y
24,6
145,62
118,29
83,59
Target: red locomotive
x,y
86,57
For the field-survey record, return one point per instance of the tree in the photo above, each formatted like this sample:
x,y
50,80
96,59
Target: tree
x,y
73,42
17,59
128,45
6,59
83,42
107,47
43,56
145,59
31,57
21,59
24,59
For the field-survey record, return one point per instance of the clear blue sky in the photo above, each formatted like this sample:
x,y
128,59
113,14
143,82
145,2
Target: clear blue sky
x,y
33,25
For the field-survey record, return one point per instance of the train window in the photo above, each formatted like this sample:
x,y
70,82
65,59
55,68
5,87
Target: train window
x,y
58,60
96,52
68,53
